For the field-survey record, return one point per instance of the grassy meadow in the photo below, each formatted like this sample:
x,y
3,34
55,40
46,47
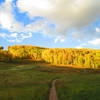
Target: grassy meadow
x,y
33,82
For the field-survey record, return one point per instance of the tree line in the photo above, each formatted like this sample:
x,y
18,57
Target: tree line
x,y
79,57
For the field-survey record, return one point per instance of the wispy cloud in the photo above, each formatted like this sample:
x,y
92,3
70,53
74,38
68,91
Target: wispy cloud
x,y
81,45
15,37
95,42
60,39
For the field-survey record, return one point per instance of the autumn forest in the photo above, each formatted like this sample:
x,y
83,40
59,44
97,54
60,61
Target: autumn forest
x,y
86,58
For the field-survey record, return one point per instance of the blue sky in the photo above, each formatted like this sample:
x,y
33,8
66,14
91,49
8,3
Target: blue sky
x,y
74,24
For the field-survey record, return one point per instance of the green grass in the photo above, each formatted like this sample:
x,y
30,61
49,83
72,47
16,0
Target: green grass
x,y
33,82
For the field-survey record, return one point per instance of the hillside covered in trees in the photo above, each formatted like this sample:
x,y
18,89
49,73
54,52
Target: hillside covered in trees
x,y
87,58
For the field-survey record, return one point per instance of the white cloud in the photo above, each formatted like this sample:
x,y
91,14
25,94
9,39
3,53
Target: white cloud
x,y
81,45
95,42
2,35
59,39
5,15
66,14
5,20
8,21
15,37
25,36
97,29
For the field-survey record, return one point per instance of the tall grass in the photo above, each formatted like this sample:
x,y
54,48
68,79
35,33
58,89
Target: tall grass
x,y
33,82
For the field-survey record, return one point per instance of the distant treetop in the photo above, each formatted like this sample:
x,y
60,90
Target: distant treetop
x,y
1,48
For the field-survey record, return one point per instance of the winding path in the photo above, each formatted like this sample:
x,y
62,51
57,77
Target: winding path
x,y
53,93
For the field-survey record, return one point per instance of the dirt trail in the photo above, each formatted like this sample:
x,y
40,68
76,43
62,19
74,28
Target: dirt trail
x,y
53,94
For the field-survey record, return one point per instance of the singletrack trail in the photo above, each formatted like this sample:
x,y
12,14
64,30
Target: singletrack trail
x,y
53,93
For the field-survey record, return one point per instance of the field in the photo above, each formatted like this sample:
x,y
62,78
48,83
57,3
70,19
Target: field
x,y
33,82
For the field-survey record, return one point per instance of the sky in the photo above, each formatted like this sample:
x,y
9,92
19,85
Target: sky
x,y
50,23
